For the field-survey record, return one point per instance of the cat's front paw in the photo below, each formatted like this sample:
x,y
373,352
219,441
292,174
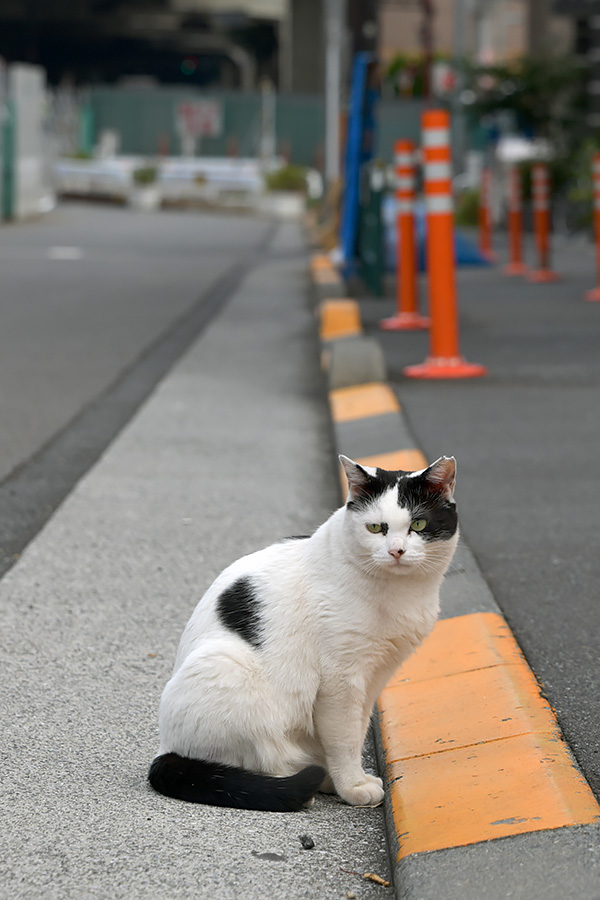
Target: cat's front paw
x,y
366,793
373,779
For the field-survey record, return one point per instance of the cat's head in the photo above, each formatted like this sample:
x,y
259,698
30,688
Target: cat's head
x,y
402,522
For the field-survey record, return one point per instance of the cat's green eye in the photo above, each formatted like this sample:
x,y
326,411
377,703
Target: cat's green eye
x,y
418,524
374,528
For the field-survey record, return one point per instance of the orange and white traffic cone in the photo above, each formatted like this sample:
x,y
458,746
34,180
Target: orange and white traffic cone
x,y
407,317
540,189
485,216
444,360
515,265
595,293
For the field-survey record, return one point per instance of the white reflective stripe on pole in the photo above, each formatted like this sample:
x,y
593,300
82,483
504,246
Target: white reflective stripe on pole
x,y
438,203
437,171
436,137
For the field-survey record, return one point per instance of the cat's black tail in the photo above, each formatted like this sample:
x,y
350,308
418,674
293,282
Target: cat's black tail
x,y
217,785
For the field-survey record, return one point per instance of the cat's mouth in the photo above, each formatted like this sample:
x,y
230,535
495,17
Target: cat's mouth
x,y
398,565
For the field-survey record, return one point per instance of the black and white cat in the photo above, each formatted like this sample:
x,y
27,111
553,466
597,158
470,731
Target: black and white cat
x,y
280,665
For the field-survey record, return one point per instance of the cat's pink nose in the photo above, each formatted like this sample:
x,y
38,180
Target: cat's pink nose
x,y
396,552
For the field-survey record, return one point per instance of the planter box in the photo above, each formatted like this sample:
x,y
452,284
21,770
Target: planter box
x,y
286,205
145,198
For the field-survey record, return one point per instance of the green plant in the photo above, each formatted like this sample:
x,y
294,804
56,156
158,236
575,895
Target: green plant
x,y
580,188
467,208
559,173
145,175
287,178
407,73
546,96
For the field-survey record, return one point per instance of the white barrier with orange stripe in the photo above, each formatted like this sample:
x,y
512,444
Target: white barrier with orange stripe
x,y
407,316
444,360
540,192
515,265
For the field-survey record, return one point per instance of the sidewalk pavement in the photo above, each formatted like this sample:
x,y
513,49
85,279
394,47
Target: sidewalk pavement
x,y
231,452
94,608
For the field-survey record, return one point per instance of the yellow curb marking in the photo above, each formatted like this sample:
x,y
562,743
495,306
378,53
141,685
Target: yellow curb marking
x,y
362,401
487,705
320,261
326,276
485,640
515,786
339,318
473,751
406,460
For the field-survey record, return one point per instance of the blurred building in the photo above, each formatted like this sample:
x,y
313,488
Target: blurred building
x,y
491,30
585,18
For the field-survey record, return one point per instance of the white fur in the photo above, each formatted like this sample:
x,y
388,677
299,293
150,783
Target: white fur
x,y
340,613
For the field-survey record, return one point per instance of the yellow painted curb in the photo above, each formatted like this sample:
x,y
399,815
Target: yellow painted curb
x,y
339,318
473,751
320,261
362,401
326,276
405,460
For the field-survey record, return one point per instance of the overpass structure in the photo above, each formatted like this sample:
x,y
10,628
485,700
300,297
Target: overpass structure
x,y
228,43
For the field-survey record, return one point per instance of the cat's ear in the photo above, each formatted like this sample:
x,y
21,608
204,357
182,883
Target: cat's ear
x,y
441,476
359,478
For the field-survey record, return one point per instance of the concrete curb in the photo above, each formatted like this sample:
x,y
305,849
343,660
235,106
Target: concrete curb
x,y
470,750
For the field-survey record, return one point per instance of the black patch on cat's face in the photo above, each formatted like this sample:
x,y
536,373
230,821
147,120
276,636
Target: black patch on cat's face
x,y
416,494
424,502
238,608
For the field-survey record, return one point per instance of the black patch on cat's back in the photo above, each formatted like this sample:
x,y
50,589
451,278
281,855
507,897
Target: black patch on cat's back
x,y
238,608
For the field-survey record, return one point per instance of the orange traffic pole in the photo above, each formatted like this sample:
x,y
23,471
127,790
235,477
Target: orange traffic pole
x,y
540,190
407,317
515,265
444,360
595,293
485,216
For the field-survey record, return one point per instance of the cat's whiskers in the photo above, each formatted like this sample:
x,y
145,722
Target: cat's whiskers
x,y
373,567
428,566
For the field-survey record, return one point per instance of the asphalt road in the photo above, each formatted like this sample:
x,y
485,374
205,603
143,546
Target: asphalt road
x,y
97,304
527,439
85,291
